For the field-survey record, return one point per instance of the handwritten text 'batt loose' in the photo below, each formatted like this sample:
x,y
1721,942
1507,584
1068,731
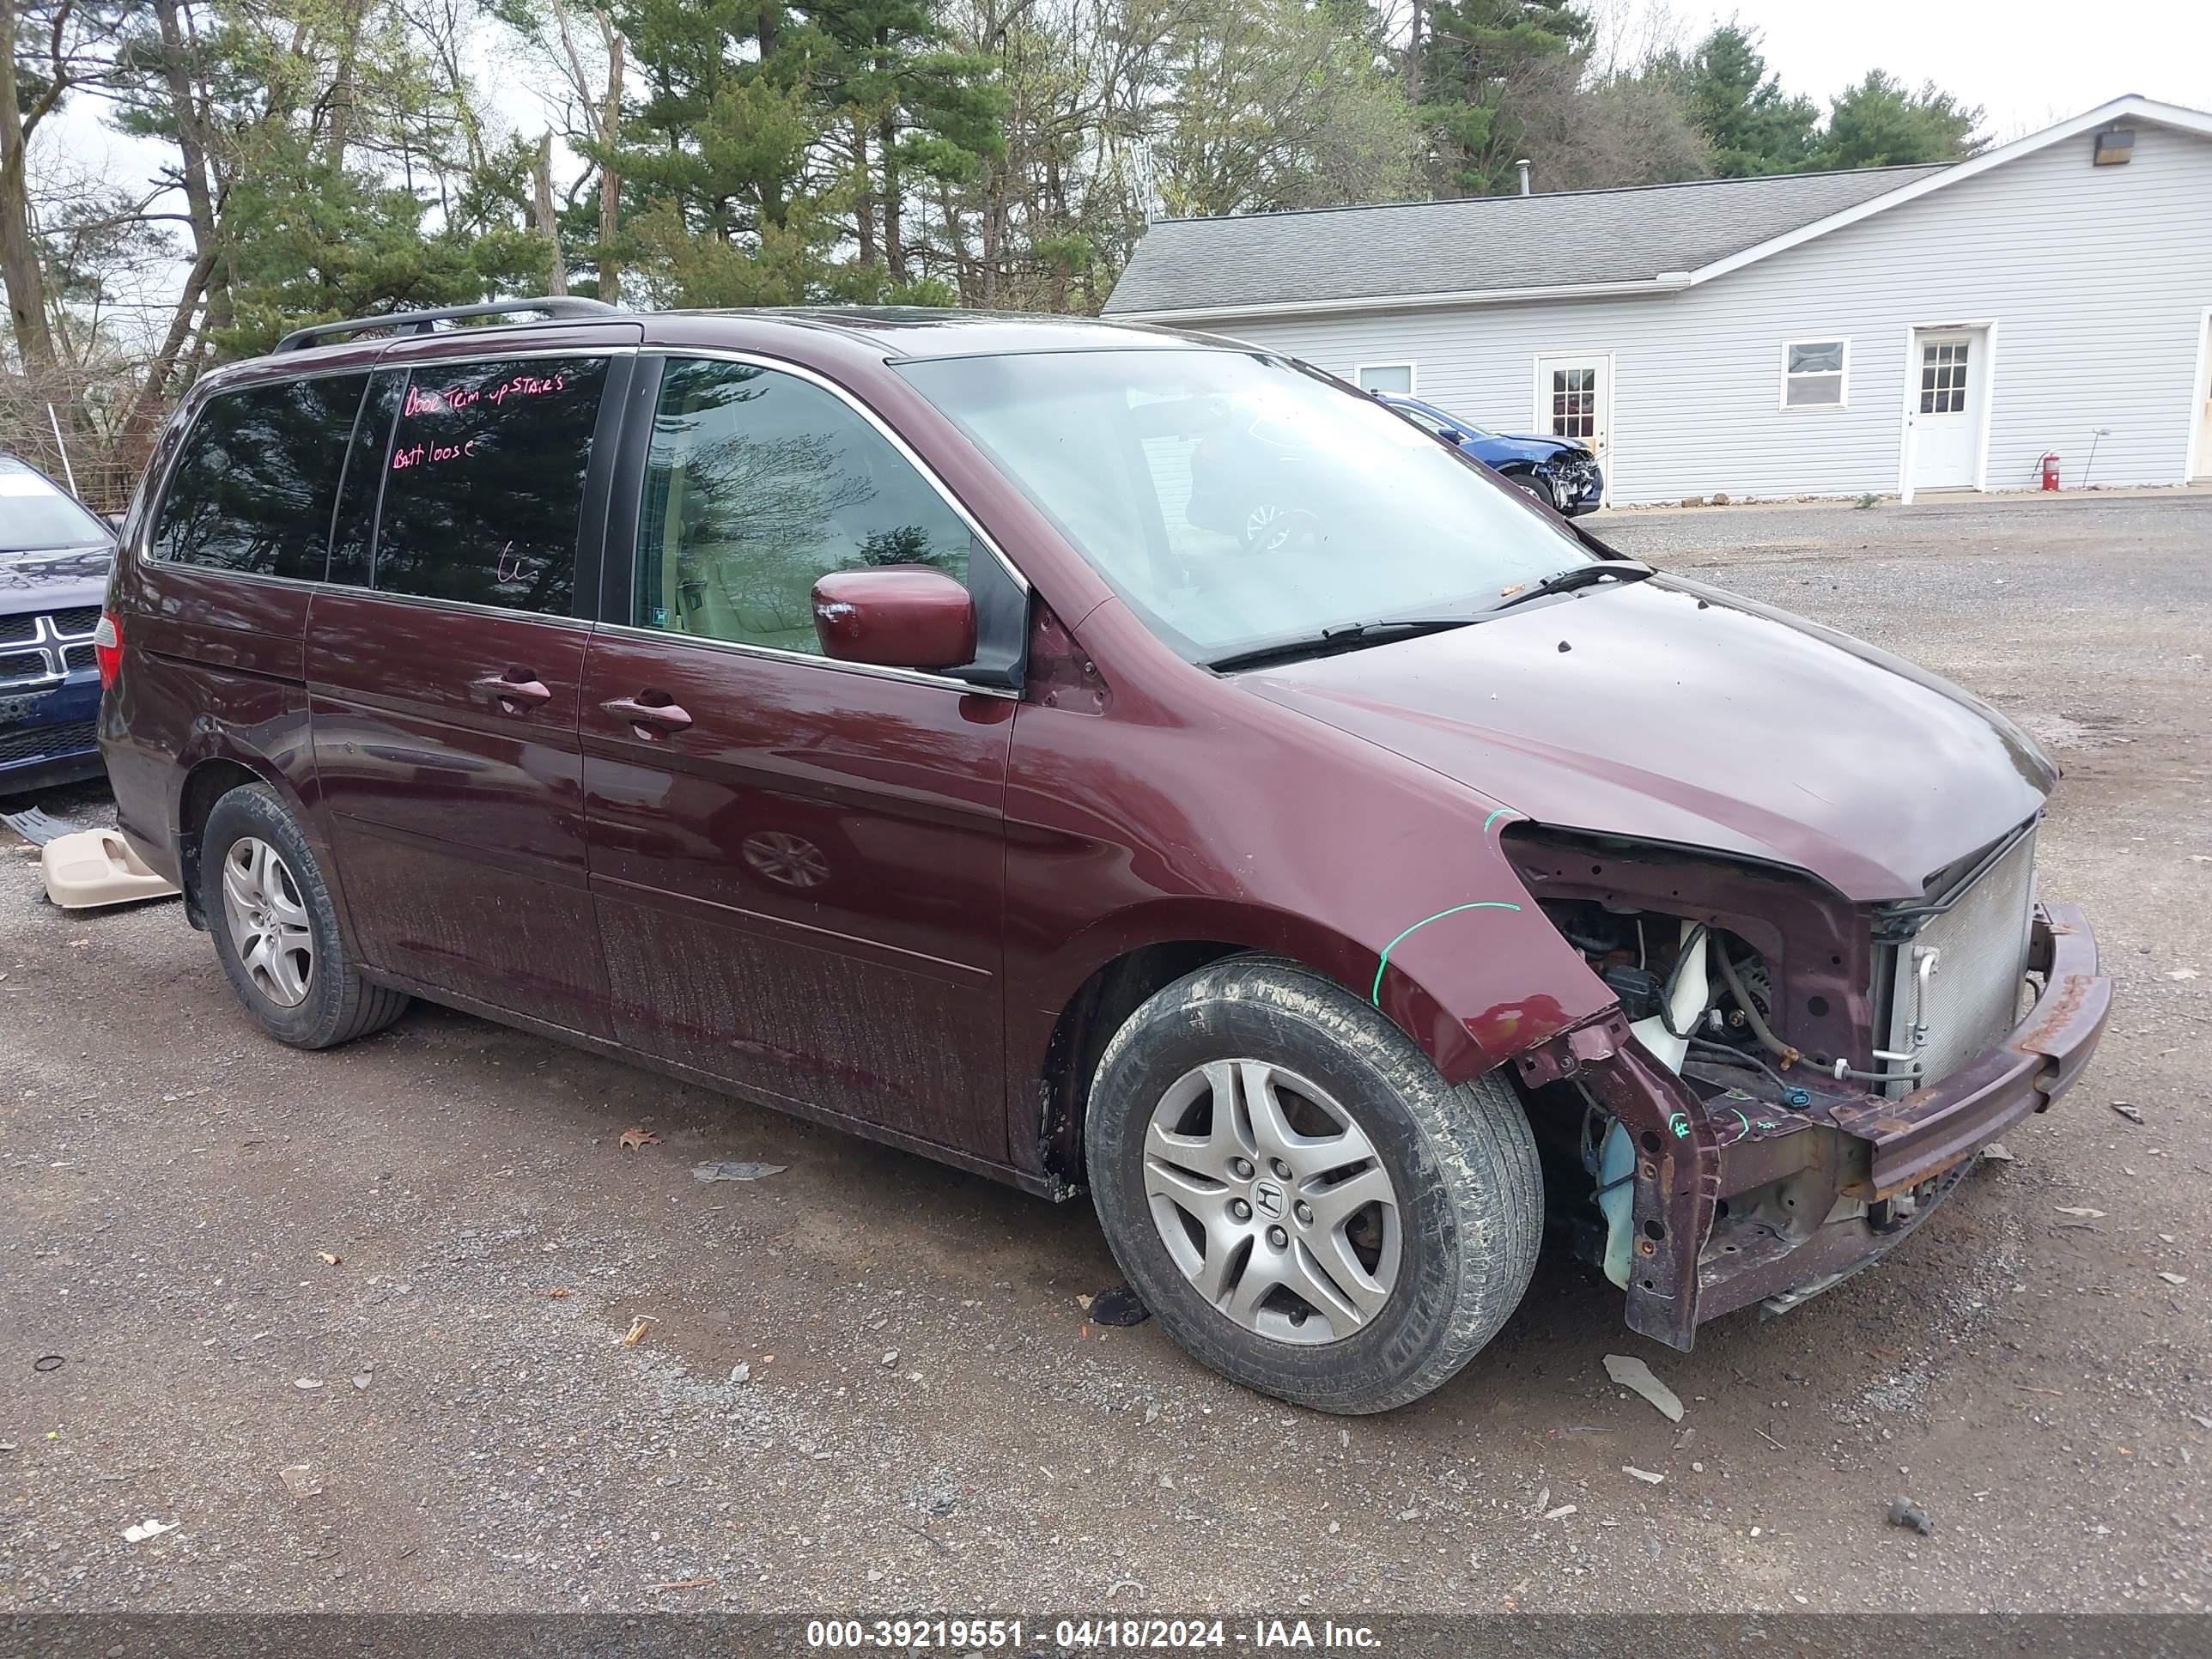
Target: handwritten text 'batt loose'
x,y
422,455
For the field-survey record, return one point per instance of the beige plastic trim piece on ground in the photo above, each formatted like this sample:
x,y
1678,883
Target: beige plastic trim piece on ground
x,y
96,867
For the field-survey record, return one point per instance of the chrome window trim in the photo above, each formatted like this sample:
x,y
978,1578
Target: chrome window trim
x,y
466,607
153,562
775,654
812,377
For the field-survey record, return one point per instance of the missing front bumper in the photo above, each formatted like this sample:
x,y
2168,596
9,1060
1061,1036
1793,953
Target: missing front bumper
x,y
1770,1206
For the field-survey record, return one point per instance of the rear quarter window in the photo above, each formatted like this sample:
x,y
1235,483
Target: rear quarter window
x,y
253,487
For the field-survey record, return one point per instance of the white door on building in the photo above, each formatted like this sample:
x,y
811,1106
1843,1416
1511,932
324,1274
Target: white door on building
x,y
1574,400
1945,420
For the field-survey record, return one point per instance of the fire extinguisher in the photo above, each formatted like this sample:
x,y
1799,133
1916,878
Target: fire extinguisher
x,y
2050,470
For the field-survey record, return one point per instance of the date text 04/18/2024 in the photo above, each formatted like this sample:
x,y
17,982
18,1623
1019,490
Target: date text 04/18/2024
x,y
1090,1635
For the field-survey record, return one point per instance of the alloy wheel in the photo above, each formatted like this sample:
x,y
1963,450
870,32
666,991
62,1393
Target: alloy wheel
x,y
268,921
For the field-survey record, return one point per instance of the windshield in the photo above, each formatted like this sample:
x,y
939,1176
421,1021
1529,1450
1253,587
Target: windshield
x,y
1236,502
1444,426
35,517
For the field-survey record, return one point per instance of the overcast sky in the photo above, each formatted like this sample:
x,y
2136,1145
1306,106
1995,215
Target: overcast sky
x,y
2028,63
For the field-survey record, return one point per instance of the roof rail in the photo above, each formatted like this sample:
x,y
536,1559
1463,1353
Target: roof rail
x,y
419,322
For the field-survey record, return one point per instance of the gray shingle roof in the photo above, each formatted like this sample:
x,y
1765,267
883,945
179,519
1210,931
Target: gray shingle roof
x,y
1479,244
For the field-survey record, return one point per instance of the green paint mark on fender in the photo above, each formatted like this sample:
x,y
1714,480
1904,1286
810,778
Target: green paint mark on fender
x,y
1383,961
1502,813
1680,1124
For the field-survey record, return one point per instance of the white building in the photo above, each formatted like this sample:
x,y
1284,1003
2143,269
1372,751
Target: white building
x,y
1890,330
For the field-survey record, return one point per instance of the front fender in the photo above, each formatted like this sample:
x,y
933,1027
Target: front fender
x,y
1474,981
1246,823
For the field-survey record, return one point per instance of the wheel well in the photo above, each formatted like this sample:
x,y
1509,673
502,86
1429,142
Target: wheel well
x,y
204,784
1098,1010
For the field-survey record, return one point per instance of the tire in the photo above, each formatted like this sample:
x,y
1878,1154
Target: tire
x,y
308,955
1460,1163
1531,485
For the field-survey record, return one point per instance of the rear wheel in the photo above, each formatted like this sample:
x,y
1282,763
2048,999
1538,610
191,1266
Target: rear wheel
x,y
276,930
1300,1198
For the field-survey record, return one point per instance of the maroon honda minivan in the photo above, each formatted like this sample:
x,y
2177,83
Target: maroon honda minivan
x,y
849,710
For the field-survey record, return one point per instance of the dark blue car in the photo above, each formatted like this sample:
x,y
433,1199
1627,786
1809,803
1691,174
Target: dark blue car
x,y
1557,471
54,560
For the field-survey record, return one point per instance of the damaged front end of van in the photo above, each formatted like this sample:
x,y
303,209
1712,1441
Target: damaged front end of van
x,y
1815,979
1789,1084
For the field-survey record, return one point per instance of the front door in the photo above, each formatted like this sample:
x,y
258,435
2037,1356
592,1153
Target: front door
x,y
1574,400
1946,413
799,865
443,682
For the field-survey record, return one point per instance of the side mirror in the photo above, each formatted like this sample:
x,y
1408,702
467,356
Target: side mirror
x,y
895,615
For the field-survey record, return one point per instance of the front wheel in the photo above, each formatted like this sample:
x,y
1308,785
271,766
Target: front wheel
x,y
1529,484
1307,1206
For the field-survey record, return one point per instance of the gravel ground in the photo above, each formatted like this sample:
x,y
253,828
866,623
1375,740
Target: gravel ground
x,y
445,1417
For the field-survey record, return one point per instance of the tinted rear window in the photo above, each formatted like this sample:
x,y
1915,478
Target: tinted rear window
x,y
253,488
35,516
353,526
485,483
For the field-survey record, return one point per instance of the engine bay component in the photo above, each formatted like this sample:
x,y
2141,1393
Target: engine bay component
x,y
1772,1117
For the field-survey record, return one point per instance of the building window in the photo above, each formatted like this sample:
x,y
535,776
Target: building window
x,y
1385,380
1814,372
1943,378
1574,404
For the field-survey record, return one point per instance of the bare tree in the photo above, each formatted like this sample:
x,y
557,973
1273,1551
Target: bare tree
x,y
591,68
71,46
556,277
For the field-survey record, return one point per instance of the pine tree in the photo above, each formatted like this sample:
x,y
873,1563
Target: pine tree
x,y
1480,56
920,117
1753,126
1879,123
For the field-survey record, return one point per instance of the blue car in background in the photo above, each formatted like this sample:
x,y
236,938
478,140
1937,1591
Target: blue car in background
x,y
54,560
1557,471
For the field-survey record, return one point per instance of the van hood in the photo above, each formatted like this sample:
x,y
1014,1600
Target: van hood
x,y
1669,711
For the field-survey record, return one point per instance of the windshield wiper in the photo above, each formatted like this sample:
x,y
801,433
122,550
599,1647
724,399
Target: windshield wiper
x,y
1578,575
1343,637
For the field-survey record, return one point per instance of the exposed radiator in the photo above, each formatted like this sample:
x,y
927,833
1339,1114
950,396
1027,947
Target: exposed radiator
x,y
1972,997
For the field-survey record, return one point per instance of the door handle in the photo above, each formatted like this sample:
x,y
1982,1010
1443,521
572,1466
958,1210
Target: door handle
x,y
648,719
515,692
